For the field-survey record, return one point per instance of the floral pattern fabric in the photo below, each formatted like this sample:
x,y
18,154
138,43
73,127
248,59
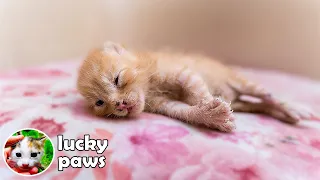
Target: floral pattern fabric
x,y
155,147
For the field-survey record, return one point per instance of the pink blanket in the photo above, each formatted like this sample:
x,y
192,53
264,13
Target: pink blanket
x,y
156,147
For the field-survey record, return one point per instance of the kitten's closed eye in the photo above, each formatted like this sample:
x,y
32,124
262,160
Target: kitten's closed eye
x,y
34,154
18,154
99,103
116,80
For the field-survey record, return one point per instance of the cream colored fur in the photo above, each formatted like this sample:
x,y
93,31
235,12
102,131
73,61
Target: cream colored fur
x,y
193,88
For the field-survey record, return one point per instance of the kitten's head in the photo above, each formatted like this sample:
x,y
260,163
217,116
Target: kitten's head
x,y
28,152
114,80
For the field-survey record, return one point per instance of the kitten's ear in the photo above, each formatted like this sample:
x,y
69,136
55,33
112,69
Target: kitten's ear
x,y
41,140
110,47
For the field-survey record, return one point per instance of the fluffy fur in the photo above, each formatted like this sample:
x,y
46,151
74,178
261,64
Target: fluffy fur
x,y
194,88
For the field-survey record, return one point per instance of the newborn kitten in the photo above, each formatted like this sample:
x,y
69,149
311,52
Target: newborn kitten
x,y
27,153
193,88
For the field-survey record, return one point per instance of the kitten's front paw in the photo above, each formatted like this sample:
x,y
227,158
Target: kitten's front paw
x,y
228,126
216,114
216,110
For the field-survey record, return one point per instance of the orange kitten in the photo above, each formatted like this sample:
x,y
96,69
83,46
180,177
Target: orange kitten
x,y
193,88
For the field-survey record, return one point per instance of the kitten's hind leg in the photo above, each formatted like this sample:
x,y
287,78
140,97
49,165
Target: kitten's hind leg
x,y
246,87
293,114
215,114
260,107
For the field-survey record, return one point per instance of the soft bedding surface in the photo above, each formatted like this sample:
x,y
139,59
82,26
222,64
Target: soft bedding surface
x,y
157,147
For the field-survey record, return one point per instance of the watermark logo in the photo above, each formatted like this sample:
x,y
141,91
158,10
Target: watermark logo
x,y
28,152
85,144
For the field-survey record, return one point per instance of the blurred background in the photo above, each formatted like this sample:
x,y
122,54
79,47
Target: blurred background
x,y
271,34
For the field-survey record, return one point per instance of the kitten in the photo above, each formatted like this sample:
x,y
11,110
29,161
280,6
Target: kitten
x,y
27,153
193,88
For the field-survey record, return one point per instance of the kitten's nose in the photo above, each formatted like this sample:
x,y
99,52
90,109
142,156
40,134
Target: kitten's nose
x,y
25,165
122,106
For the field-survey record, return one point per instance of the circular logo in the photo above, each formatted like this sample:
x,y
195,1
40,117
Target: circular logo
x,y
28,152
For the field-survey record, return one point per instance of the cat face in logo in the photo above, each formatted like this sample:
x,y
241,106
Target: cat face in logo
x,y
28,152
114,81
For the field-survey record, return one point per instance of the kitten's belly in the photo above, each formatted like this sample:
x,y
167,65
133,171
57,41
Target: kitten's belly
x,y
214,73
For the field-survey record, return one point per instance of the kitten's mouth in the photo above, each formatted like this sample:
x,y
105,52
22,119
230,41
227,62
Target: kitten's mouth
x,y
128,108
131,110
24,168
